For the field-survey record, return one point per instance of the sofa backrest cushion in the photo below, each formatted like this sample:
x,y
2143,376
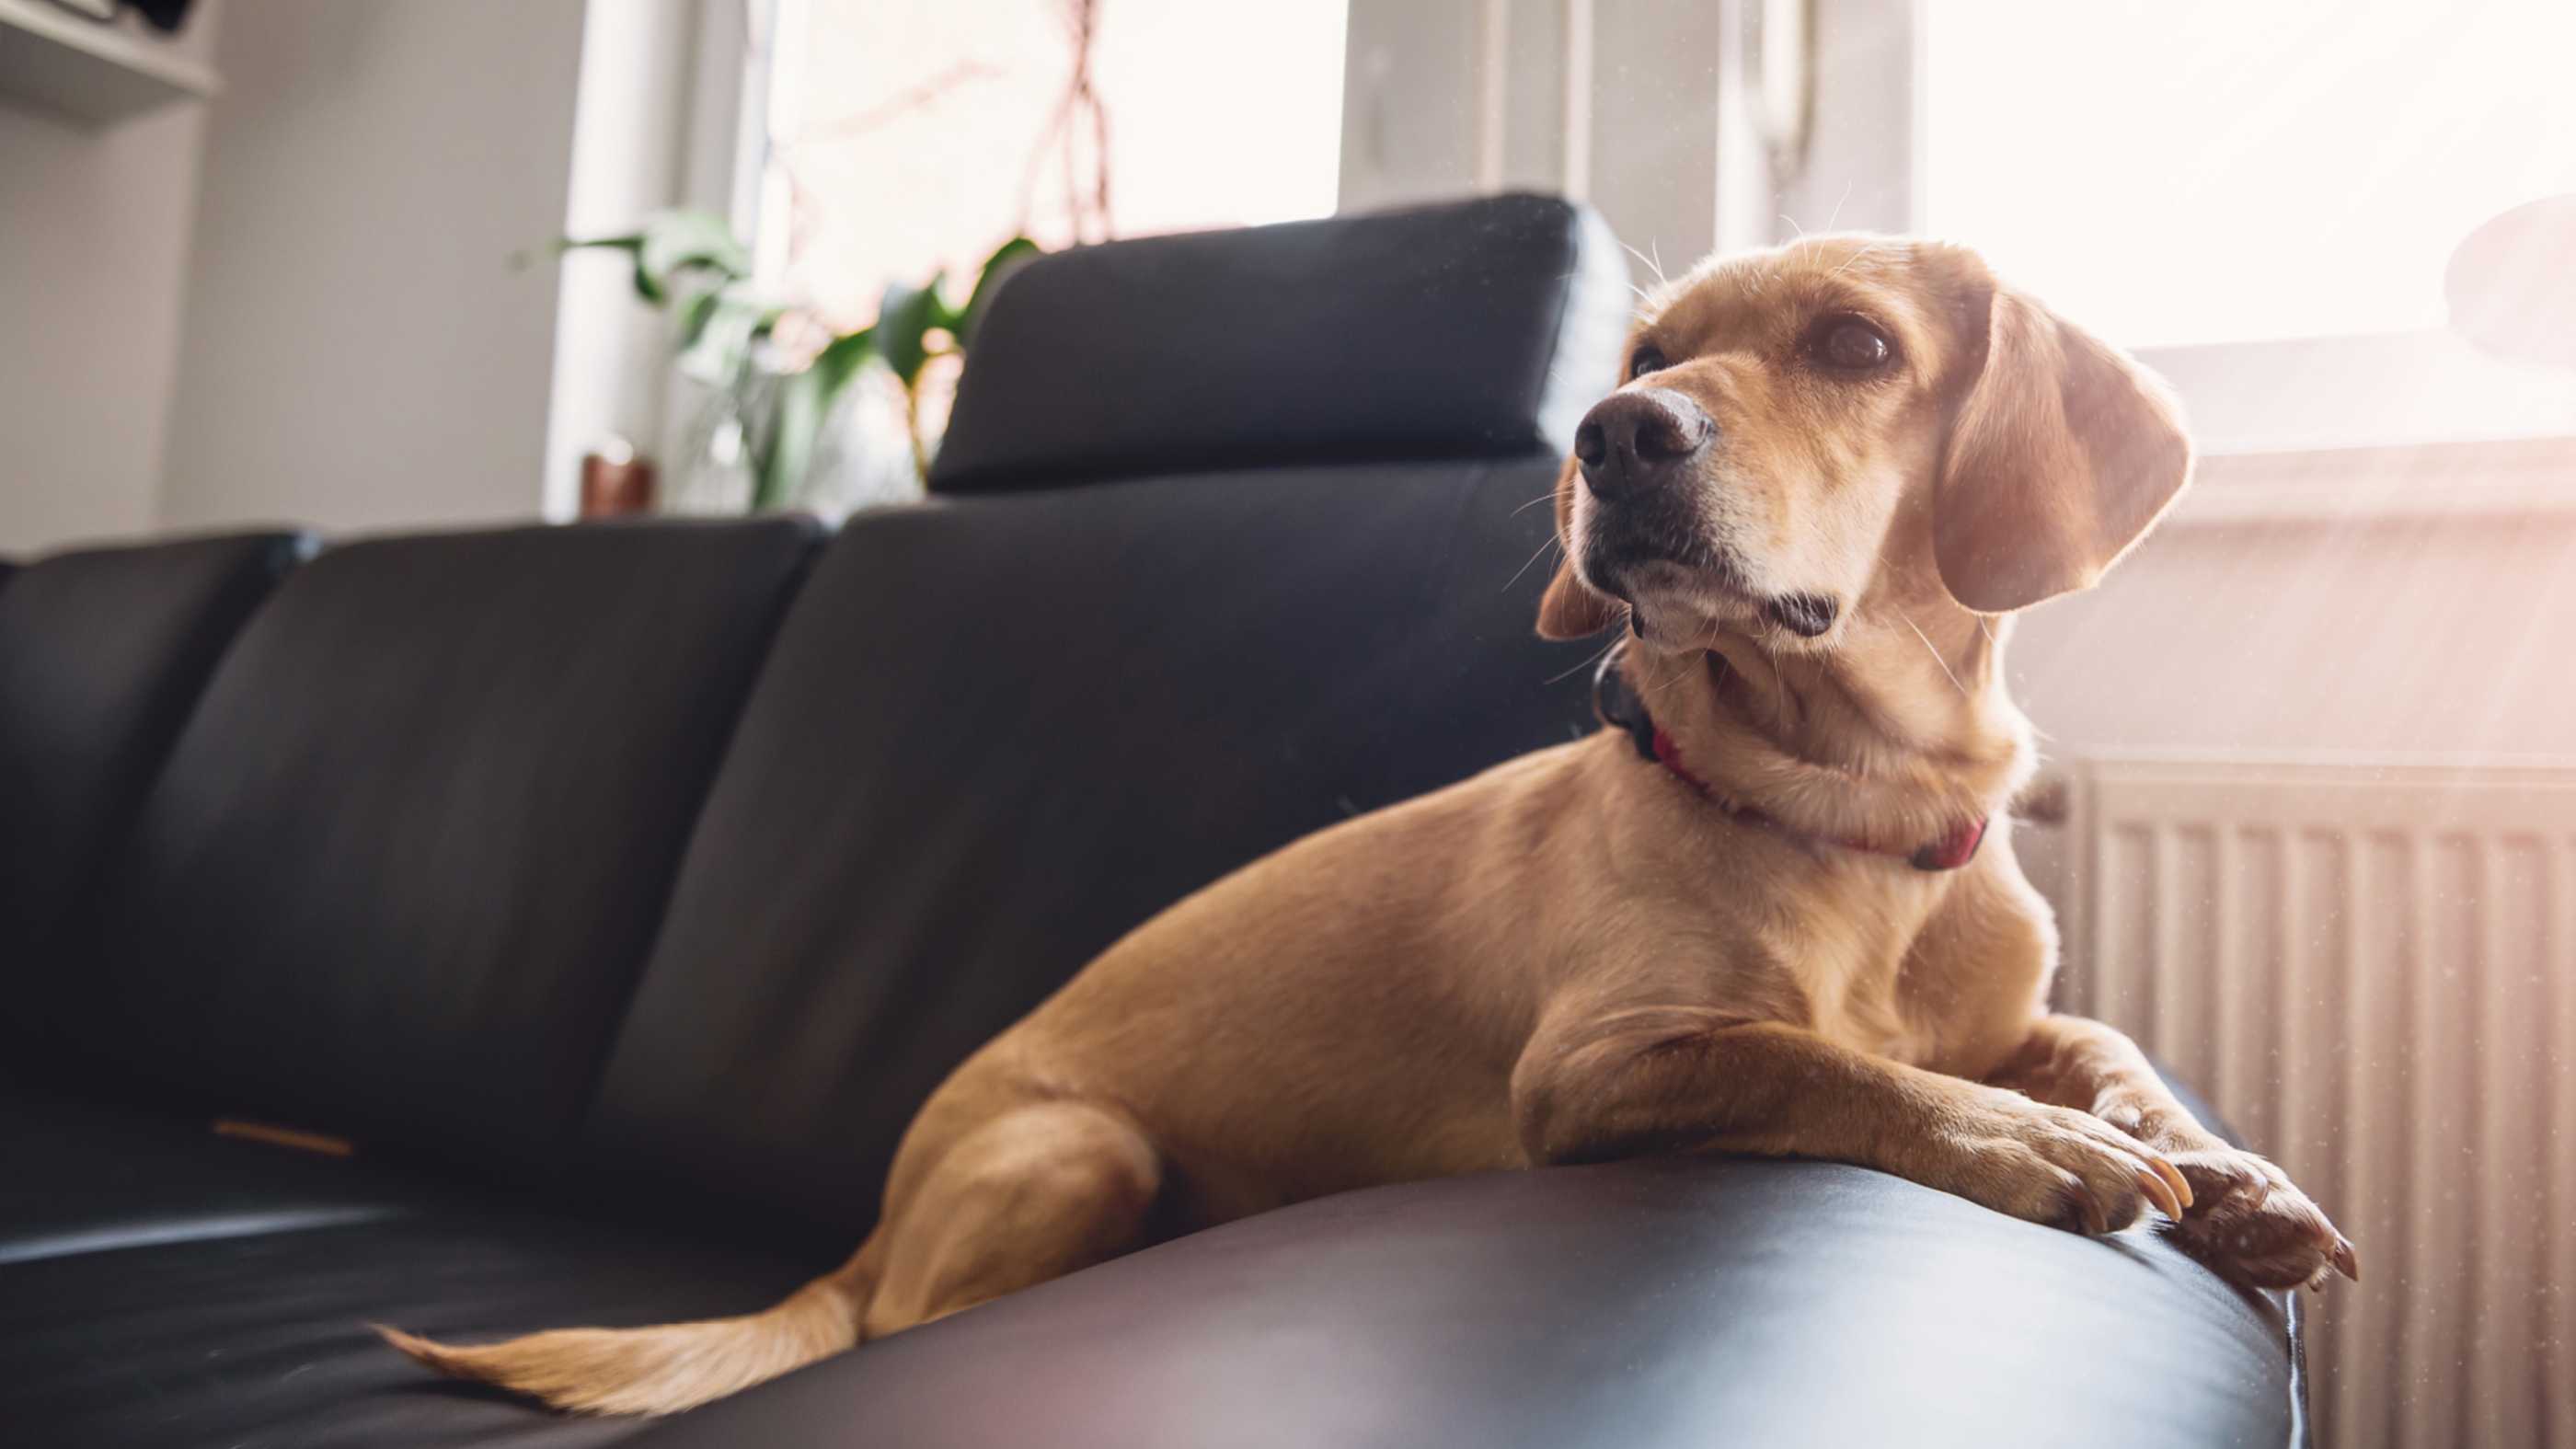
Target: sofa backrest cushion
x,y
998,732
1475,329
102,654
409,852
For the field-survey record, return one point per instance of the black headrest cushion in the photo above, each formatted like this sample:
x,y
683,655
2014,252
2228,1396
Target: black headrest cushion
x,y
1475,329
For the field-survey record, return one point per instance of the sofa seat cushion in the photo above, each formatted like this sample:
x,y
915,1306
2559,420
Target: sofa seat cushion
x,y
160,1285
399,871
103,653
1665,1302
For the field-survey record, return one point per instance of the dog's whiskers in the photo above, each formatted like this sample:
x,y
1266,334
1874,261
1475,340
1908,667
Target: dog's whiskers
x,y
1681,674
1597,656
1550,542
1652,265
1936,655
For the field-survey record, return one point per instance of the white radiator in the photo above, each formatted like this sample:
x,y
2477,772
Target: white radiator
x,y
2371,970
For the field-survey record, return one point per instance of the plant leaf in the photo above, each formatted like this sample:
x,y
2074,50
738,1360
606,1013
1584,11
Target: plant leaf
x,y
1007,258
836,364
694,316
633,245
781,467
677,241
904,318
722,345
805,402
671,243
632,241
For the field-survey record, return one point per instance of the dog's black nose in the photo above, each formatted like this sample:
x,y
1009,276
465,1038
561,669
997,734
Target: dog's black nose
x,y
1633,441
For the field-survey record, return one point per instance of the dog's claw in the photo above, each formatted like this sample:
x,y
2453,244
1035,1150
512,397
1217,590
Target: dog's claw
x,y
2345,1260
2159,1192
2173,1179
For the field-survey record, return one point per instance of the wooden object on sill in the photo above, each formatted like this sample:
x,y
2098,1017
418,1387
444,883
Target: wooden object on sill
x,y
616,482
320,1143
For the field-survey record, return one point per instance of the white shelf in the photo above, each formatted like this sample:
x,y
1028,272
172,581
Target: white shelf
x,y
95,73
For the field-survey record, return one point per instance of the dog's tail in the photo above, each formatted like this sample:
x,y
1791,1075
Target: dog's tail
x,y
666,1369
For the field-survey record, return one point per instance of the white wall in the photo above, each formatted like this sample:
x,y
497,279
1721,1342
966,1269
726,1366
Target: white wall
x,y
2376,637
357,351
93,249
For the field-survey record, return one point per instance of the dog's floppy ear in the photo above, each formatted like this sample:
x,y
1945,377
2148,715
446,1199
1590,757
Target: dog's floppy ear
x,y
2061,454
1571,608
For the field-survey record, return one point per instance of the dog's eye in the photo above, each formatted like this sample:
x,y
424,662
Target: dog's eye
x,y
1647,359
1852,344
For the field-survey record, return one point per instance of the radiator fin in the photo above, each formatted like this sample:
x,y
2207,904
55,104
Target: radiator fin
x,y
2372,972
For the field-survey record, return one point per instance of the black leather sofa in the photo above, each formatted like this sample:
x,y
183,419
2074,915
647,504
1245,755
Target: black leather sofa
x,y
619,890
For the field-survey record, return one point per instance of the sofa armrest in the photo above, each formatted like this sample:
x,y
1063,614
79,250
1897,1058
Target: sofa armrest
x,y
1682,1302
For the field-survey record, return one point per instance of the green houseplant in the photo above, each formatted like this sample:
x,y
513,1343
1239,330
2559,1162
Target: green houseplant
x,y
724,333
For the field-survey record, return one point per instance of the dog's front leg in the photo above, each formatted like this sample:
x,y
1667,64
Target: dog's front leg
x,y
2245,1217
1594,1085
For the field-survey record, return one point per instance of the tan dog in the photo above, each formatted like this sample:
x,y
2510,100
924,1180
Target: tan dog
x,y
1829,472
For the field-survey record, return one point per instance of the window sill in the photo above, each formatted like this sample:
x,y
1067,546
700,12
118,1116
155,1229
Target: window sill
x,y
2484,478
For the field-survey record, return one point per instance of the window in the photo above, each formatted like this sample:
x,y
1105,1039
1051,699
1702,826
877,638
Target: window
x,y
2223,172
914,135
2207,180
911,137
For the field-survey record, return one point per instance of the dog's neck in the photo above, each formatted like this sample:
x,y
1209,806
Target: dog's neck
x,y
1899,735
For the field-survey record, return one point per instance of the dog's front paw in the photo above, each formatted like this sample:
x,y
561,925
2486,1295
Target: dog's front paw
x,y
2252,1224
2217,1172
2053,1165
2247,1219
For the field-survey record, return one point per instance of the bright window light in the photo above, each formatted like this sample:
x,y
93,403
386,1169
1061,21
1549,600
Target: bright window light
x,y
2201,171
918,134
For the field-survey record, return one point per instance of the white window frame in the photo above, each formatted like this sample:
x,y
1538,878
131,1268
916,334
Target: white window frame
x,y
670,111
2378,426
1446,97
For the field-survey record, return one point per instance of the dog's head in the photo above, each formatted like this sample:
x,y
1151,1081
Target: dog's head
x,y
1805,433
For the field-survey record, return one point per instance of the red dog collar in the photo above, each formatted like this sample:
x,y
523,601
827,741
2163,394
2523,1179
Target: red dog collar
x,y
1618,704
1949,852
